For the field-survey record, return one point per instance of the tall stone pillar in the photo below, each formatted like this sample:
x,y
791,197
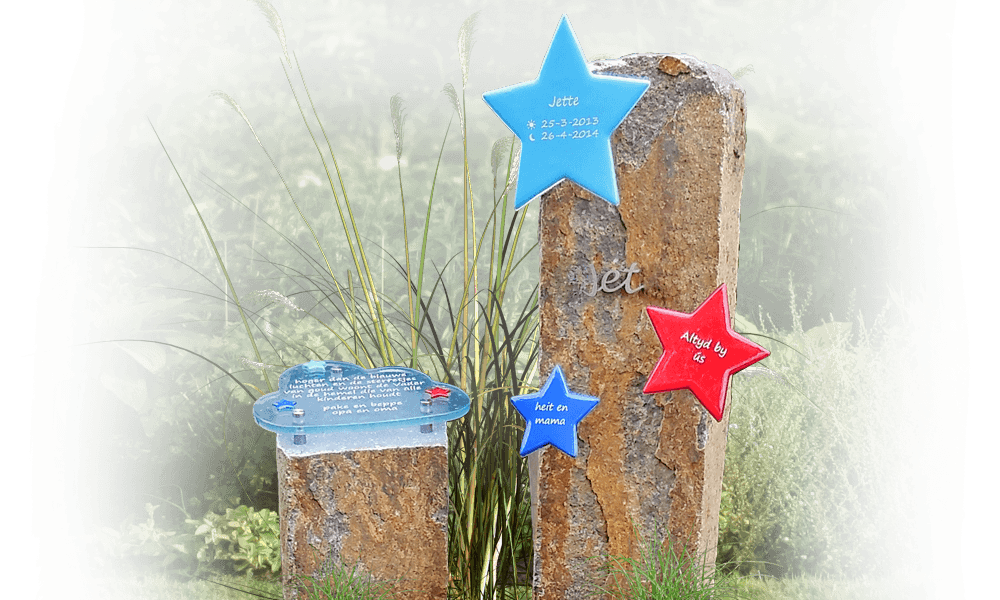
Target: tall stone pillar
x,y
649,462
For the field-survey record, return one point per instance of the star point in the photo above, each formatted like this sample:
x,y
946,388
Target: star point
x,y
565,119
701,351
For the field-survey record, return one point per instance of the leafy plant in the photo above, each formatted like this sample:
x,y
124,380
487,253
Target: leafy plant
x,y
243,540
812,457
131,541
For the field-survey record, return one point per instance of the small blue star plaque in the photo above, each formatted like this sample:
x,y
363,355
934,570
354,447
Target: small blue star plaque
x,y
552,415
564,120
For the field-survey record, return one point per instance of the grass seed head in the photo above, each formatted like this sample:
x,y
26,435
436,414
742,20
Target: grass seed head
x,y
500,145
513,172
244,115
274,298
281,30
751,372
461,119
256,365
463,48
395,129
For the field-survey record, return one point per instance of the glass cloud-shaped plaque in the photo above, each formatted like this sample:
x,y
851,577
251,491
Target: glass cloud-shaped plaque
x,y
330,396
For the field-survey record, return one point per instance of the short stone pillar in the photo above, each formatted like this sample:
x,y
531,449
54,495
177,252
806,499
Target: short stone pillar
x,y
362,475
383,511
649,462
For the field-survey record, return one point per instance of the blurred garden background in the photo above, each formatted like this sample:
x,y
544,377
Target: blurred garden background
x,y
846,452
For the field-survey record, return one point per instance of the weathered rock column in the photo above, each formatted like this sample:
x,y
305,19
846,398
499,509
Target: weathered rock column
x,y
653,462
384,511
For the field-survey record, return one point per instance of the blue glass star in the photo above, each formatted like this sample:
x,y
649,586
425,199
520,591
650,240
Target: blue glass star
x,y
564,120
315,368
552,415
284,403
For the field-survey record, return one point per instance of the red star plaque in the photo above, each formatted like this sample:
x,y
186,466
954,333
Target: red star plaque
x,y
700,352
437,392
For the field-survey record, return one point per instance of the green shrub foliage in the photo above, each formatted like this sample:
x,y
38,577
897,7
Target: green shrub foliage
x,y
812,461
243,540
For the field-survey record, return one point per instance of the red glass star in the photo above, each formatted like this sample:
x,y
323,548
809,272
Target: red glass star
x,y
700,352
438,392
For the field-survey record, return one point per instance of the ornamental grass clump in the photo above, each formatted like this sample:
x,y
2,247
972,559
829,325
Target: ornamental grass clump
x,y
464,318
665,570
337,582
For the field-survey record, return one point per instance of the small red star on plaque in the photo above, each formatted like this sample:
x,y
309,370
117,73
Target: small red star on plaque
x,y
437,392
700,351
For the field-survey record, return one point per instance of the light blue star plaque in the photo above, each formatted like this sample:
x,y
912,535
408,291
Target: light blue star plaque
x,y
552,415
564,120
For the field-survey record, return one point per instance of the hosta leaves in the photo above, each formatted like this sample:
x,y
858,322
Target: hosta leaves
x,y
115,543
211,533
243,538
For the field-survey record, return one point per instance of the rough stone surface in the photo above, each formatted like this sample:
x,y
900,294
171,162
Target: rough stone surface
x,y
384,511
648,464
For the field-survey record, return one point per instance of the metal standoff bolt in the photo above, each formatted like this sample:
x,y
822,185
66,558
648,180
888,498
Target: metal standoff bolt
x,y
425,408
298,417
